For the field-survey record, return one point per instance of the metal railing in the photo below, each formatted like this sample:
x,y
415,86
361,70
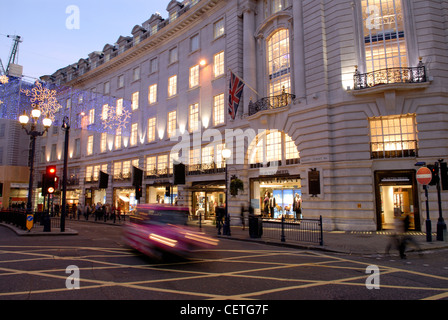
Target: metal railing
x,y
271,103
18,218
303,230
389,76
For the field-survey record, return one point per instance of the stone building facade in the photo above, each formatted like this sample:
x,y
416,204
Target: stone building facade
x,y
342,98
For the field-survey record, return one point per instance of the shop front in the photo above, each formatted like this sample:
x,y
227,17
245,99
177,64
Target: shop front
x,y
93,196
163,193
206,197
274,197
124,200
396,194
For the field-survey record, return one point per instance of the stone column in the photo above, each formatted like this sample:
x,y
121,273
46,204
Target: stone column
x,y
299,51
249,55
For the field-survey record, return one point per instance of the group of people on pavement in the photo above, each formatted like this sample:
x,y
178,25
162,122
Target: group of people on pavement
x,y
101,212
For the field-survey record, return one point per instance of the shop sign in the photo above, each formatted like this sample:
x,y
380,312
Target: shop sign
x,y
395,179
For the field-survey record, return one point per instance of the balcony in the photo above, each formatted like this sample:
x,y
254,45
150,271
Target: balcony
x,y
399,149
271,103
390,76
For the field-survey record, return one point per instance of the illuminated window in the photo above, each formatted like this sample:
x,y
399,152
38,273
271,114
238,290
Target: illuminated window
x,y
172,123
90,145
135,97
291,151
162,164
104,168
172,86
194,76
193,121
279,63
91,116
96,173
218,60
117,170
103,142
152,95
105,112
393,136
89,174
384,36
195,159
278,5
134,134
126,171
218,109
118,138
151,166
151,129
274,146
119,109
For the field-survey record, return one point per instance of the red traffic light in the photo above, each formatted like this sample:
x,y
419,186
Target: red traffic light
x,y
51,171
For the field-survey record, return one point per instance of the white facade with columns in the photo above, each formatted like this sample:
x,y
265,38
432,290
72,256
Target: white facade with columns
x,y
362,136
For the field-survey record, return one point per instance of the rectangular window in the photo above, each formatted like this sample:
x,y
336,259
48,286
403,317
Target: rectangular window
x,y
152,95
103,141
290,149
117,170
194,76
153,65
279,63
194,43
134,134
105,112
274,146
121,81
172,86
107,87
162,164
207,156
151,129
89,145
91,116
393,136
53,152
218,29
172,123
384,35
118,138
193,119
218,67
77,151
119,109
135,97
96,173
89,174
218,109
126,172
173,56
151,166
136,74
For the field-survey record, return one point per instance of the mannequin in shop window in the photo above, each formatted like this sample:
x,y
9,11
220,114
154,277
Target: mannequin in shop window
x,y
266,204
297,206
272,205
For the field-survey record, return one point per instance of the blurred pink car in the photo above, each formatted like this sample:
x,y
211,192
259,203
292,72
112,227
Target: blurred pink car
x,y
156,229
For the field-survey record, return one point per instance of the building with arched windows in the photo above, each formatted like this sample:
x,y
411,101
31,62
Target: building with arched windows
x,y
341,98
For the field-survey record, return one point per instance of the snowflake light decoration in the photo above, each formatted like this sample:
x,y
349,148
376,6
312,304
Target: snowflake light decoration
x,y
116,120
4,79
43,99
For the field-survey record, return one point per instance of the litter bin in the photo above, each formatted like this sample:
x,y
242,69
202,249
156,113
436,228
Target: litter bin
x,y
255,227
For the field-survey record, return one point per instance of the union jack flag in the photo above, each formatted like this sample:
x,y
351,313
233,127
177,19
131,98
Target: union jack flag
x,y
235,92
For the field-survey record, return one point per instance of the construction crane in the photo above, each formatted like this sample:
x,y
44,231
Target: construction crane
x,y
13,57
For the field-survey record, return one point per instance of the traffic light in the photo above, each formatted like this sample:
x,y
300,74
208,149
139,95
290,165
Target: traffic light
x,y
138,192
444,175
49,180
435,173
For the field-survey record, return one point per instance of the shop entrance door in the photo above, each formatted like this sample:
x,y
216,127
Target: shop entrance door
x,y
396,198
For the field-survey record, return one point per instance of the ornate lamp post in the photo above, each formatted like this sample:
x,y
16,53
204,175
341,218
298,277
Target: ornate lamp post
x,y
33,133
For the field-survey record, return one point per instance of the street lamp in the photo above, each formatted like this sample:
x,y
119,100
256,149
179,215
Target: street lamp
x,y
226,154
33,133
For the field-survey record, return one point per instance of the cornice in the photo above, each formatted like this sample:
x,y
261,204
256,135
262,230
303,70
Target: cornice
x,y
164,35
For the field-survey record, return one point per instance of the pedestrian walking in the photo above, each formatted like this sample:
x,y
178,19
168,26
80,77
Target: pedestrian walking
x,y
220,212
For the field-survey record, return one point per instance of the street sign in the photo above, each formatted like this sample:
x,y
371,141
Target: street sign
x,y
29,221
424,176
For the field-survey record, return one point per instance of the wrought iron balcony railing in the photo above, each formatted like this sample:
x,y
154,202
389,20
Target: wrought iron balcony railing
x,y
271,103
390,76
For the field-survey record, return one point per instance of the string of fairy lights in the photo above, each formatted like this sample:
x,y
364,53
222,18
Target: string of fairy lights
x,y
18,96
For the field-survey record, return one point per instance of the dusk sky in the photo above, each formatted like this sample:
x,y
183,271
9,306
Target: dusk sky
x,y
48,44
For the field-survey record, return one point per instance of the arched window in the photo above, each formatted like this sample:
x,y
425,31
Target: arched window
x,y
273,145
279,63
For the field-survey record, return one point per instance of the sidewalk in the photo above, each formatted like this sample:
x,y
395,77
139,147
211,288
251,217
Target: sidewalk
x,y
350,242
